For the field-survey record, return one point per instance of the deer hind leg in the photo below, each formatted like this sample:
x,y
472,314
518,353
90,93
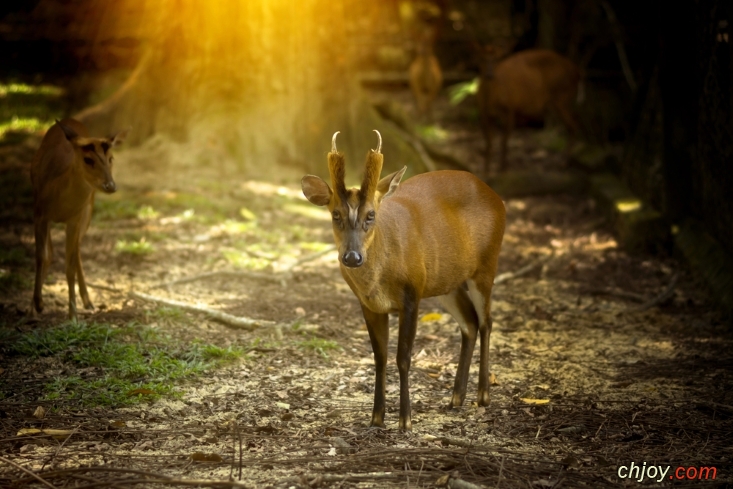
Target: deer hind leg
x,y
567,115
508,128
83,226
480,292
73,235
44,254
459,305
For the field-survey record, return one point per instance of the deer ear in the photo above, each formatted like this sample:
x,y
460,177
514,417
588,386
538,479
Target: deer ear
x,y
119,137
68,132
389,184
316,190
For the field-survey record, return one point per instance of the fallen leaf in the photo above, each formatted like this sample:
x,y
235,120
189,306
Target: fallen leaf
x,y
58,434
433,316
443,480
205,457
282,405
39,413
431,337
492,379
332,452
117,424
534,401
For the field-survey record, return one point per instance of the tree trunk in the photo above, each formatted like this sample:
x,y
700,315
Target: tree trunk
x,y
256,85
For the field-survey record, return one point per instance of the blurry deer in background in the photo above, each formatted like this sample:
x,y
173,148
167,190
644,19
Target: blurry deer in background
x,y
527,83
426,78
67,169
436,235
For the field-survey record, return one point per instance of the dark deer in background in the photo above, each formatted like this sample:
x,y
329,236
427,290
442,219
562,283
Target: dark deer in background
x,y
435,235
426,78
527,83
67,169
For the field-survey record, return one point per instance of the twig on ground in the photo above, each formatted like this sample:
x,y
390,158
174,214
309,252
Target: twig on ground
x,y
58,450
236,321
341,477
104,287
660,299
505,277
31,473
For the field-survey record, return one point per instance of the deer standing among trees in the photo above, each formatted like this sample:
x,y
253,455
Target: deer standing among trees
x,y
527,83
68,168
438,234
426,78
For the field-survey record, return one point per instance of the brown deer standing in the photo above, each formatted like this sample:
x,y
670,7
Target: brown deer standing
x,y
526,83
436,235
426,78
67,169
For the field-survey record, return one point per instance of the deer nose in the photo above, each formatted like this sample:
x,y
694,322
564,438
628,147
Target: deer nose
x,y
352,259
110,187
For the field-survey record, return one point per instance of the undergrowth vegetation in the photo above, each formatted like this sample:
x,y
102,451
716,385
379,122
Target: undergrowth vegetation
x,y
107,365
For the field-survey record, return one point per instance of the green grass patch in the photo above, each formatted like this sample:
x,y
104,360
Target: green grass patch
x,y
28,108
168,315
13,257
11,281
134,362
318,345
141,247
106,209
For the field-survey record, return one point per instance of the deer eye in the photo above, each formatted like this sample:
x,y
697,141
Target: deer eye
x,y
370,216
89,161
336,216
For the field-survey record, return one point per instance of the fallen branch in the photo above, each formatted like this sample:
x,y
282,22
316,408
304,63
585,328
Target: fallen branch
x,y
416,144
236,321
660,299
505,277
616,293
311,257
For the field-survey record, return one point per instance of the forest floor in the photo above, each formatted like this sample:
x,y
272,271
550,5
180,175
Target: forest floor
x,y
584,384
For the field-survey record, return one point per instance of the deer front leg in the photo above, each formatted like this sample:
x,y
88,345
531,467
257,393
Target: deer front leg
x,y
43,260
83,226
408,328
378,327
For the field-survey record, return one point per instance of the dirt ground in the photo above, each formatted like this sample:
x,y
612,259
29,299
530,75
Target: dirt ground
x,y
584,383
